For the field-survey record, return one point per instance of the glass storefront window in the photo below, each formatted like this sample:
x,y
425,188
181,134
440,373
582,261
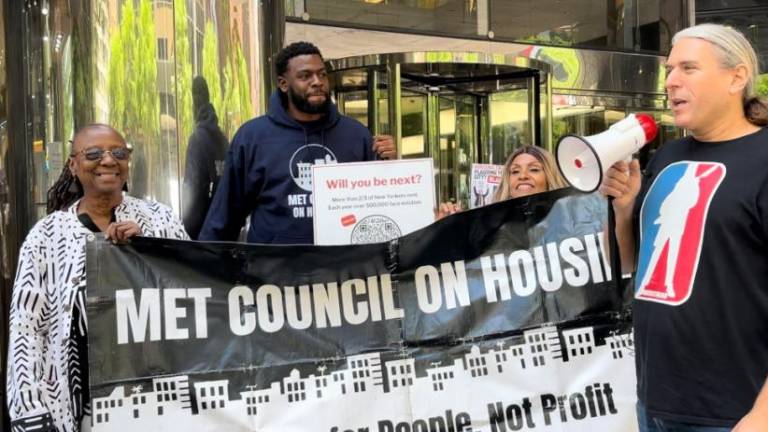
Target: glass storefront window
x,y
753,23
457,146
414,121
450,17
640,25
509,122
130,64
703,5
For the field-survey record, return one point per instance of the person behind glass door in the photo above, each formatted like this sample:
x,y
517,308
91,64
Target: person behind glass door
x,y
47,382
206,153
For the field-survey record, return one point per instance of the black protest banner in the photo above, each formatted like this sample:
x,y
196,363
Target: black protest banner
x,y
500,318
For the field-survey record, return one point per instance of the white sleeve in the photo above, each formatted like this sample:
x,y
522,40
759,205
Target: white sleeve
x,y
30,319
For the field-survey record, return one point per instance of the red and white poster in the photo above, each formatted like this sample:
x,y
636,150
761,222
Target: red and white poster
x,y
371,202
486,178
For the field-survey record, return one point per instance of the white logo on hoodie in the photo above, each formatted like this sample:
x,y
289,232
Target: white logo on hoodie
x,y
300,165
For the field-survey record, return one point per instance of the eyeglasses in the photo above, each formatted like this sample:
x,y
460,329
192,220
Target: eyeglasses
x,y
97,154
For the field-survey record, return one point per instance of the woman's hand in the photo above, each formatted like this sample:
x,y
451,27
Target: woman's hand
x,y
120,232
447,209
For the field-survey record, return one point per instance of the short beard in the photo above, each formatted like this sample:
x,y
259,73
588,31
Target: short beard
x,y
303,105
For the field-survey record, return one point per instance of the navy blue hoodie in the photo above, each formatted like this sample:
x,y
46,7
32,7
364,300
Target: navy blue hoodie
x,y
268,175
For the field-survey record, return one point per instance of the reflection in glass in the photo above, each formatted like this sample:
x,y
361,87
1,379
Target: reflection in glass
x,y
134,100
509,122
5,252
130,63
754,25
354,104
641,25
454,17
458,144
638,25
414,125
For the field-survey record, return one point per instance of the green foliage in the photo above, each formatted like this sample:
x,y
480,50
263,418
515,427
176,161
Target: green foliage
x,y
559,128
211,66
234,106
116,75
231,96
246,106
148,119
761,86
552,37
134,101
134,106
183,62
237,100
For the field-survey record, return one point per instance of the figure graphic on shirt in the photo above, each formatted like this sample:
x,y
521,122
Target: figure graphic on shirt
x,y
673,215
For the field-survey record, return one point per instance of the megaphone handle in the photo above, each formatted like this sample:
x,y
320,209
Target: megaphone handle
x,y
613,248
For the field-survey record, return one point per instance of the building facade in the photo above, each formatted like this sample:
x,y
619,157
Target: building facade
x,y
130,63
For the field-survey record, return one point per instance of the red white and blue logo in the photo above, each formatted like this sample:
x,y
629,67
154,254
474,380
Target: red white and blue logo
x,y
672,222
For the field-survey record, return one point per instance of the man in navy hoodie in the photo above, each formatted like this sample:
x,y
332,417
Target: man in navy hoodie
x,y
268,168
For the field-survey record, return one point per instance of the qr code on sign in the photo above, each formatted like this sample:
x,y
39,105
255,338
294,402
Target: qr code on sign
x,y
375,229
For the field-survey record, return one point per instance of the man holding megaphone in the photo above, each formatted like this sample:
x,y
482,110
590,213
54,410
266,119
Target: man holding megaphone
x,y
695,226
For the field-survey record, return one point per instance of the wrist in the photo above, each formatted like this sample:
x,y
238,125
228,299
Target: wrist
x,y
623,212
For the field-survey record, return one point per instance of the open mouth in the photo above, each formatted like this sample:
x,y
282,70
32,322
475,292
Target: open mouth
x,y
678,103
524,186
108,175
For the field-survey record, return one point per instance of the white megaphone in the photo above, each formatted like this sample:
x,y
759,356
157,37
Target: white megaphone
x,y
584,160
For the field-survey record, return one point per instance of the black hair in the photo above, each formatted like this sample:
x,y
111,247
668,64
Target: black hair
x,y
293,50
756,111
67,188
64,192
200,95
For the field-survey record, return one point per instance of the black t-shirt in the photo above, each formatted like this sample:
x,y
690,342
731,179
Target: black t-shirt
x,y
701,289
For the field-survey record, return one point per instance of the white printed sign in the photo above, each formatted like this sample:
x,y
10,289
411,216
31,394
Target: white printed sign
x,y
371,202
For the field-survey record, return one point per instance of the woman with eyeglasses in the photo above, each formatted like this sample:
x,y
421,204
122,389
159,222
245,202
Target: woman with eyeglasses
x,y
47,355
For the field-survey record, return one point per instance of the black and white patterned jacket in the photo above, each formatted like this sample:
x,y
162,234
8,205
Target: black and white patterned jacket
x,y
50,272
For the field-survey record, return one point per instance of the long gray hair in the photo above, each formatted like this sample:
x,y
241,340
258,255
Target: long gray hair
x,y
733,49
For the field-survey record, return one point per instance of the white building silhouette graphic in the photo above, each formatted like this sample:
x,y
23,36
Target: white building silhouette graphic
x,y
442,376
304,171
255,398
364,373
171,391
621,345
401,373
579,341
211,394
